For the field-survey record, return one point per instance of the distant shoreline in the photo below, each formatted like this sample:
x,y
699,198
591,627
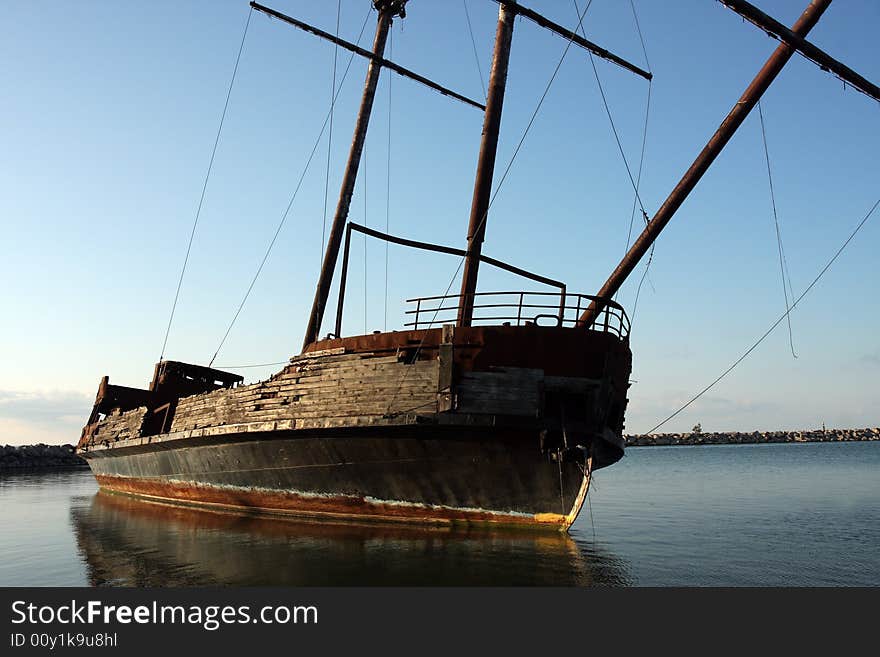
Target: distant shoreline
x,y
754,437
17,458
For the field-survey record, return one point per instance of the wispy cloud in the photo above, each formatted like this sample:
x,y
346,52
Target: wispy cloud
x,y
53,416
714,412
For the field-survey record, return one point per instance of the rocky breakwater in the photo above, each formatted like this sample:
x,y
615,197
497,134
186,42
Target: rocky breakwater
x,y
36,457
739,437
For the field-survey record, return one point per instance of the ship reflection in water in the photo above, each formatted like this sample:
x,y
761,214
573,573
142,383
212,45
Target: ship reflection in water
x,y
128,542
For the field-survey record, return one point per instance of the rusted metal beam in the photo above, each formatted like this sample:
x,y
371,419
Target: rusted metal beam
x,y
486,161
704,160
425,246
343,278
807,49
373,57
439,248
402,241
573,37
325,279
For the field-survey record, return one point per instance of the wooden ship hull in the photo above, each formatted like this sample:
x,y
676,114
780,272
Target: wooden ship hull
x,y
477,426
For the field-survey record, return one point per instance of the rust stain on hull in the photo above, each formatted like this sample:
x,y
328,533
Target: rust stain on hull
x,y
335,507
214,518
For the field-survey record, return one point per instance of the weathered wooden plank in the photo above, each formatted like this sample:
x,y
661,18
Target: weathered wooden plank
x,y
392,359
496,407
570,384
515,375
364,404
118,425
336,351
364,398
338,389
334,361
337,375
512,391
427,377
376,370
334,394
370,420
511,373
497,392
482,397
350,386
426,407
372,369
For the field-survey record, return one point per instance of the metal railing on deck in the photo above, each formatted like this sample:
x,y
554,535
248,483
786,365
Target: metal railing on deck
x,y
520,308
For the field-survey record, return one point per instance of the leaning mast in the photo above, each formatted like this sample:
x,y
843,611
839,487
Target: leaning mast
x,y
508,11
387,9
792,40
486,162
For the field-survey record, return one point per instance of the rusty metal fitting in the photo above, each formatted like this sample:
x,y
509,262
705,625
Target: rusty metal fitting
x,y
394,7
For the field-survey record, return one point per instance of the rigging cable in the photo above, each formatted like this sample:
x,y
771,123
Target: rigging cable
x,y
205,184
783,262
474,46
492,198
641,36
636,183
639,176
639,173
775,324
330,134
241,367
290,203
613,127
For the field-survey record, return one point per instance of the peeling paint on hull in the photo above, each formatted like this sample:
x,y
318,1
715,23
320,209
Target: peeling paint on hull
x,y
445,481
335,508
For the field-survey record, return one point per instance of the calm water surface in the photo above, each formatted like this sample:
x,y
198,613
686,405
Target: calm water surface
x,y
796,514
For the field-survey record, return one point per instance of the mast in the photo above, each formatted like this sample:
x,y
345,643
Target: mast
x,y
486,161
387,9
704,160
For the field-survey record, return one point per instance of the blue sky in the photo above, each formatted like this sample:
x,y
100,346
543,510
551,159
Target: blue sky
x,y
110,111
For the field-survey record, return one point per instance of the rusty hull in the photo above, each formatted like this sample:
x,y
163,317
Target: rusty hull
x,y
338,508
442,476
520,416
